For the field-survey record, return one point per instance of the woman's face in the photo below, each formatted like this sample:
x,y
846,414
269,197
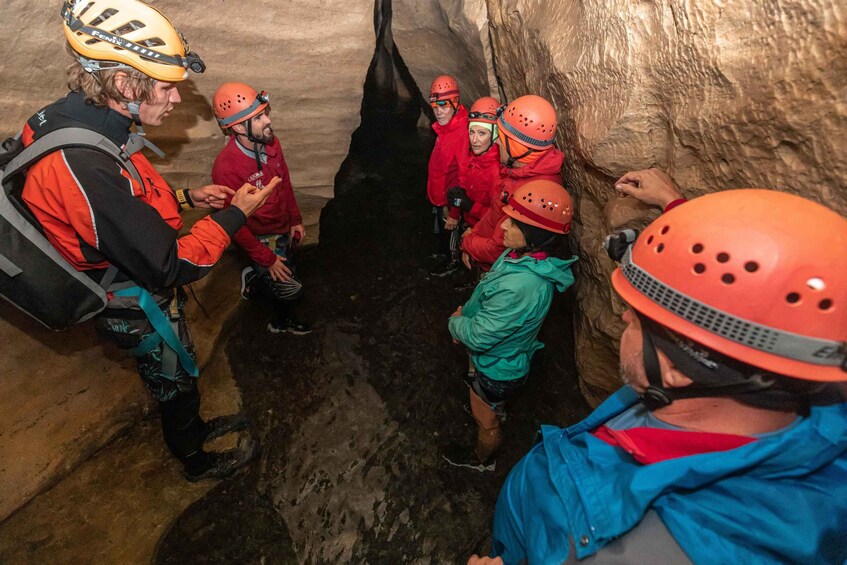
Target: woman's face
x,y
512,235
480,139
443,114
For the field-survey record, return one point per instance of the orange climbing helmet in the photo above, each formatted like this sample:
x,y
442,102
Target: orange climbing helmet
x,y
530,120
114,34
444,89
756,275
542,203
236,102
484,110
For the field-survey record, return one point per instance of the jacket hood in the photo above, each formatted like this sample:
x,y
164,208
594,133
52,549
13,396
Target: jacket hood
x,y
74,111
552,269
549,164
458,121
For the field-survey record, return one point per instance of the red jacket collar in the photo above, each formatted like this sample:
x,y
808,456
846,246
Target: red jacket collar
x,y
548,164
653,445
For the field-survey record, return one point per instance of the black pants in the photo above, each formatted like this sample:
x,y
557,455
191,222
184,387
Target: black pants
x,y
282,295
167,381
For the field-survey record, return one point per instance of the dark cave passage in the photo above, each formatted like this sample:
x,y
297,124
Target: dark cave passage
x,y
352,419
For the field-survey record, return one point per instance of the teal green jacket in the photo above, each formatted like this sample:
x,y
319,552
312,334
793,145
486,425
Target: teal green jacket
x,y
500,322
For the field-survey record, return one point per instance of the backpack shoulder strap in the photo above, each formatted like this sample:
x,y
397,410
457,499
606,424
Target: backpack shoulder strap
x,y
65,138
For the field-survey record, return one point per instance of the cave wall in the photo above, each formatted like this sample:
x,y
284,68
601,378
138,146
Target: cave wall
x,y
720,94
446,37
310,56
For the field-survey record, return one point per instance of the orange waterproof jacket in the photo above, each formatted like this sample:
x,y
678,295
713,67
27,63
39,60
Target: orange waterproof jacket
x,y
485,243
95,215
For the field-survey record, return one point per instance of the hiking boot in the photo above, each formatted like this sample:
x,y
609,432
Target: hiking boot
x,y
446,268
222,464
289,326
464,456
223,425
248,274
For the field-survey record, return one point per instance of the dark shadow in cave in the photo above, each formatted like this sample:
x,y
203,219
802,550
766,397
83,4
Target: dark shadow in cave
x,y
352,418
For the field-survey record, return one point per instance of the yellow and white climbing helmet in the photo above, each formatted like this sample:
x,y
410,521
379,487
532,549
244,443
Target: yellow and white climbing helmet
x,y
109,34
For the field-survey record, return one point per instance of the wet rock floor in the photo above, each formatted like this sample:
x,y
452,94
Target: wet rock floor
x,y
351,418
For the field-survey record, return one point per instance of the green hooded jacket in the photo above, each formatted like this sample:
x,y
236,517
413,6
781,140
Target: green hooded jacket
x,y
500,322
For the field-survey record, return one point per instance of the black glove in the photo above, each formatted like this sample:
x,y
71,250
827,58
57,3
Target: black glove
x,y
458,197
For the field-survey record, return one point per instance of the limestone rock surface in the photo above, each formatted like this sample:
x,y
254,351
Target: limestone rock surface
x,y
446,37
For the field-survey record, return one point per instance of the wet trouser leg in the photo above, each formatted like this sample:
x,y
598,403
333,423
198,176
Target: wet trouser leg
x,y
456,241
487,398
166,380
184,430
442,236
489,435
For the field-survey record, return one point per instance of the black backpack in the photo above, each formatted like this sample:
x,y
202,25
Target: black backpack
x,y
34,277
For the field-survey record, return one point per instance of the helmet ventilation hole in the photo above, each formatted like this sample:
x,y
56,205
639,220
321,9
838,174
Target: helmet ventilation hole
x,y
792,298
104,15
697,248
665,230
825,304
751,266
129,28
816,283
699,268
728,278
84,10
723,257
649,240
660,248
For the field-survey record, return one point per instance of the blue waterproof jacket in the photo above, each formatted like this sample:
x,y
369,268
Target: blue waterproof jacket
x,y
780,499
500,322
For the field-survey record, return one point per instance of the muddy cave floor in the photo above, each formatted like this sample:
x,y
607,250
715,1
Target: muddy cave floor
x,y
352,418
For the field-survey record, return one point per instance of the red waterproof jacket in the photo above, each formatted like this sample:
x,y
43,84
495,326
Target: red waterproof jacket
x,y
485,243
448,156
480,177
95,215
236,165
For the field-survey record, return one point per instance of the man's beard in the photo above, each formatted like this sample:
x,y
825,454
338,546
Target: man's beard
x,y
265,138
629,370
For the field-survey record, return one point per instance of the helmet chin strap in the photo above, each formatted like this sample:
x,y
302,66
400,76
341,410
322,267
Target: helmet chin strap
x,y
725,382
655,396
258,143
138,138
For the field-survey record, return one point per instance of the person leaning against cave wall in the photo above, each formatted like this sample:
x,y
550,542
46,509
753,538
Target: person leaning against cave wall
x,y
102,221
445,162
526,136
728,442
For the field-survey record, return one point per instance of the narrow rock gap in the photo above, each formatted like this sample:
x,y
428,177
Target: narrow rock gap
x,y
353,418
